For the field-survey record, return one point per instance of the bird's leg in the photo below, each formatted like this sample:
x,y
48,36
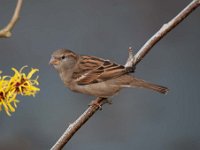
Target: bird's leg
x,y
99,101
95,103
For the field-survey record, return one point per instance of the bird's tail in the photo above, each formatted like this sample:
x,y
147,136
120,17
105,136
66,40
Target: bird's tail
x,y
134,82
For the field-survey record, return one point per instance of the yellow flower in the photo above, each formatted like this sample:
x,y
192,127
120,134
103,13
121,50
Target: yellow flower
x,y
7,97
19,83
22,84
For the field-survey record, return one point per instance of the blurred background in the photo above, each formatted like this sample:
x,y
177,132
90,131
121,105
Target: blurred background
x,y
138,119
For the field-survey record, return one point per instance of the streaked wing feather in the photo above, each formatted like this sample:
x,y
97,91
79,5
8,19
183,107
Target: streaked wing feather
x,y
94,70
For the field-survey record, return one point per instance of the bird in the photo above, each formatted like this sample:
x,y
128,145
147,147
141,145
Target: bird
x,y
96,76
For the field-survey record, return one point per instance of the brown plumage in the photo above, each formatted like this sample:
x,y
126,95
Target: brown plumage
x,y
95,76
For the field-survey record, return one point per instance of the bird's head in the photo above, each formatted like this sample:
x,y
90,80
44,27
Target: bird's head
x,y
63,59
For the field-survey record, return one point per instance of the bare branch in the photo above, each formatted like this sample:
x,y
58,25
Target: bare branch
x,y
132,61
74,127
6,31
164,30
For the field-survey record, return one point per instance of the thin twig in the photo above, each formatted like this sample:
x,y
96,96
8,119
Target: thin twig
x,y
131,62
74,127
6,31
164,30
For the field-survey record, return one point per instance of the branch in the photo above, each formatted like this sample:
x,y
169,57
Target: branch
x,y
164,30
132,61
6,31
76,125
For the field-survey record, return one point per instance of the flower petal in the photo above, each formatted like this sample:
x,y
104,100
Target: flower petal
x,y
32,72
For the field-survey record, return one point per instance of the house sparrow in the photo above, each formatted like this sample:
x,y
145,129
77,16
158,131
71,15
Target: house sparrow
x,y
95,76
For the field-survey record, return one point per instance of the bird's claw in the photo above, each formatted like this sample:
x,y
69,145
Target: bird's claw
x,y
98,102
95,103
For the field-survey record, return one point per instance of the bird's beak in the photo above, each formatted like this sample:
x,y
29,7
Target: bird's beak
x,y
53,61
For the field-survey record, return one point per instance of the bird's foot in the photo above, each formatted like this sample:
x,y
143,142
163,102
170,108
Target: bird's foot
x,y
95,103
99,102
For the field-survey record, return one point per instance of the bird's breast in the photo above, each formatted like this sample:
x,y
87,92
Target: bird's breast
x,y
101,89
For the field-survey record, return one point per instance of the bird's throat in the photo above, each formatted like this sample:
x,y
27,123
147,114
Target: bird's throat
x,y
66,76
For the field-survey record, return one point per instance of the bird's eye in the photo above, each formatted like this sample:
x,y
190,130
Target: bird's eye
x,y
63,57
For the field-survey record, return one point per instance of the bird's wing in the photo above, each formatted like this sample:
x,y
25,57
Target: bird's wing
x,y
94,70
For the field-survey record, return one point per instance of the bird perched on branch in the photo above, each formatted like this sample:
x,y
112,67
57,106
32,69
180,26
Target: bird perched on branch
x,y
96,76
